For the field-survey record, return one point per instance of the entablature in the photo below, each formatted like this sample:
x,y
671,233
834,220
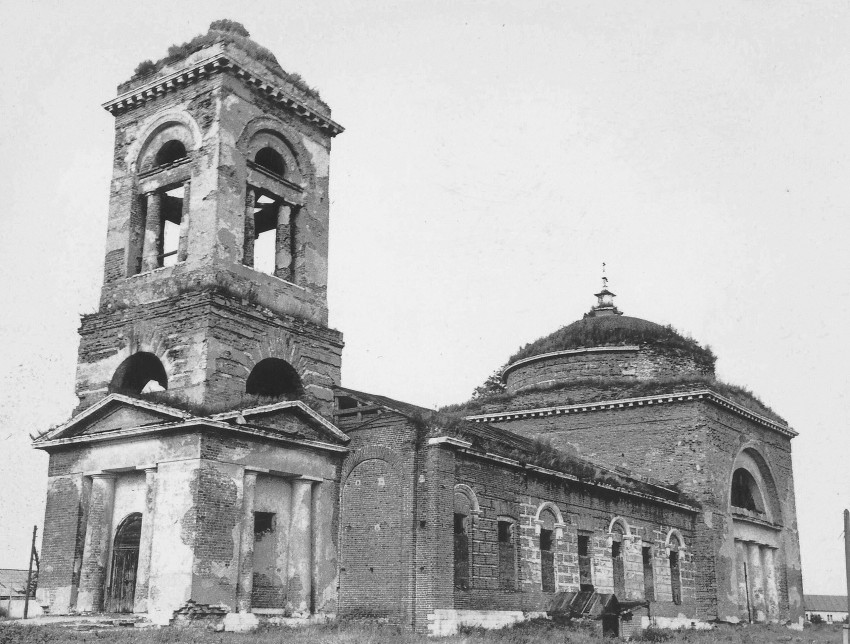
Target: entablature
x,y
218,61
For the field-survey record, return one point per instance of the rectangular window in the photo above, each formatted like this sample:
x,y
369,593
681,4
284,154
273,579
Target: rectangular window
x,y
619,569
461,554
263,524
648,575
675,578
547,561
584,570
507,556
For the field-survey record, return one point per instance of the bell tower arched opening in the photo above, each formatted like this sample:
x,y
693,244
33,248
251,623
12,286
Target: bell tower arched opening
x,y
141,373
274,377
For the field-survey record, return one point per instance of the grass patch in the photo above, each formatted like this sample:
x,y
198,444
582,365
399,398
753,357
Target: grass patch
x,y
341,632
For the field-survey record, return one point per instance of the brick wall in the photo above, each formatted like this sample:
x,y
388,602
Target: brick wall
x,y
208,344
648,362
505,491
62,542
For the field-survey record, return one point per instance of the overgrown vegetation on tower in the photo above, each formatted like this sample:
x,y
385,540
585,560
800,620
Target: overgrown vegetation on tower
x,y
229,32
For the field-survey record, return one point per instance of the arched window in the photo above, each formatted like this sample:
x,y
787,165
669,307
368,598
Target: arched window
x,y
648,572
125,558
547,550
271,160
462,541
617,561
170,152
274,377
141,373
675,546
745,491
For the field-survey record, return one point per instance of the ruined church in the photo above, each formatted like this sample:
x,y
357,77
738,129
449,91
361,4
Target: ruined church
x,y
217,467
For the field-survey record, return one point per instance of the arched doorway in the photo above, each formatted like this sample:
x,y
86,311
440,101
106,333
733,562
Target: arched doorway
x,y
125,559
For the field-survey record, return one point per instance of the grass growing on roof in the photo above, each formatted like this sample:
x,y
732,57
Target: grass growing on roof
x,y
229,32
613,331
590,390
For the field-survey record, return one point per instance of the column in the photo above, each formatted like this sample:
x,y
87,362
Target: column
x,y
96,545
743,581
283,243
140,602
250,232
152,246
183,247
245,581
301,548
771,590
296,272
756,578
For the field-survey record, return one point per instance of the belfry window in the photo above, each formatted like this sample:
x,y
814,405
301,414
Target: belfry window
x,y
269,234
164,238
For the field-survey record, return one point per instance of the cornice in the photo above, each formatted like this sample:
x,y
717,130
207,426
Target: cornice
x,y
645,401
568,352
464,447
218,61
191,423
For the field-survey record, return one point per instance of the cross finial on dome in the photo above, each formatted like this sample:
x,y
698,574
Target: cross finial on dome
x,y
604,299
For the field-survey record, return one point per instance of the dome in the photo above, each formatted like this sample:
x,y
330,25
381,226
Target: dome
x,y
607,344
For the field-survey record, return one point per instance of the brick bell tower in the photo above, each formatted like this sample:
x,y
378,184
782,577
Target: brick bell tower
x,y
215,280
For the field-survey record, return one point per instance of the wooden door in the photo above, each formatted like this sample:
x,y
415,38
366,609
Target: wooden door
x,y
125,561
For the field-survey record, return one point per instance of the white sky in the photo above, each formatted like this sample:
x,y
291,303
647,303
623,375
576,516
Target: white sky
x,y
495,154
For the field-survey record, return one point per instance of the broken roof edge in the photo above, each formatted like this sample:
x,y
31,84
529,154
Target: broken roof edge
x,y
465,447
437,419
454,430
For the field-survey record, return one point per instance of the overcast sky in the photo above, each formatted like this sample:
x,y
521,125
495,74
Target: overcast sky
x,y
495,155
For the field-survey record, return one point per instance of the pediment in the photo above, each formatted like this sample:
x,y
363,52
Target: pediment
x,y
115,412
293,419
124,417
